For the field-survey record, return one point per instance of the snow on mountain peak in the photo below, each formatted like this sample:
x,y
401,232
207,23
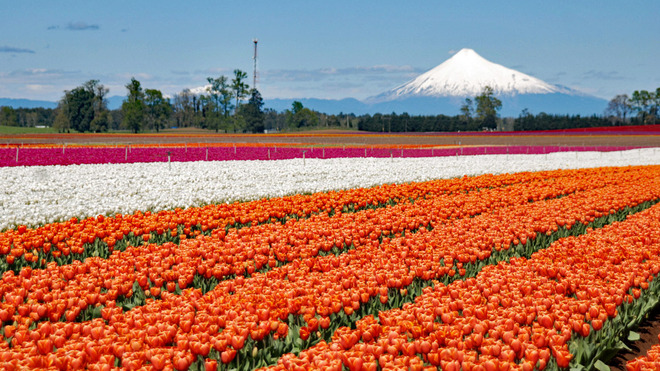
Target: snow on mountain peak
x,y
466,74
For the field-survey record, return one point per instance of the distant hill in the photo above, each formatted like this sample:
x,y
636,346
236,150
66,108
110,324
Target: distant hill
x,y
114,102
26,103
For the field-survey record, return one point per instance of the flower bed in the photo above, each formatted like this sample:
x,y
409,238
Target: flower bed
x,y
39,195
11,156
451,273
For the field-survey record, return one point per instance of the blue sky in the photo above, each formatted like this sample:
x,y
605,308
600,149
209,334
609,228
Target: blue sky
x,y
330,49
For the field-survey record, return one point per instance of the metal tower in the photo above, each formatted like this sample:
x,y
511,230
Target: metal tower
x,y
254,75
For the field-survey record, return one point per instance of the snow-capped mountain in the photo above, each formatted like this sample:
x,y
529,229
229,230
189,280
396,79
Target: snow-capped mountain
x,y
466,74
444,88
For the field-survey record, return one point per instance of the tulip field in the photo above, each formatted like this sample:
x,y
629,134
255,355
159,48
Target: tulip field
x,y
30,155
508,261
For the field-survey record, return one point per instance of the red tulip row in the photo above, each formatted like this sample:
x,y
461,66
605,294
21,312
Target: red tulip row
x,y
256,311
553,310
210,259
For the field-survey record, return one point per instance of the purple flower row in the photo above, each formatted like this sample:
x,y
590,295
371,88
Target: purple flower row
x,y
31,156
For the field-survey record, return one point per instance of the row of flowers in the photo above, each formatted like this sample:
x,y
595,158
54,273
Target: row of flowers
x,y
565,306
40,195
31,156
244,317
242,252
73,240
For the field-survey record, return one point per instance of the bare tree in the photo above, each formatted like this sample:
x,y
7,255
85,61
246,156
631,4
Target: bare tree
x,y
183,108
618,109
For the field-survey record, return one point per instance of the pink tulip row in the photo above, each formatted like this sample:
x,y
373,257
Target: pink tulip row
x,y
30,156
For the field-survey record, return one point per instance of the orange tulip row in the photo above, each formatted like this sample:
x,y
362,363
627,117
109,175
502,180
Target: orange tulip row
x,y
521,315
179,328
168,267
71,240
648,362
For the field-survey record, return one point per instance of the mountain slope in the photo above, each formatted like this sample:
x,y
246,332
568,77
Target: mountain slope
x,y
444,88
465,75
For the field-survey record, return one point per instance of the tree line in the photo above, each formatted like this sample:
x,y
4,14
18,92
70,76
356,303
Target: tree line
x,y
85,108
26,117
406,123
224,108
641,108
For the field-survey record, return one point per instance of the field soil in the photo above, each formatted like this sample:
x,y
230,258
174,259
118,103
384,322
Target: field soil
x,y
648,332
336,137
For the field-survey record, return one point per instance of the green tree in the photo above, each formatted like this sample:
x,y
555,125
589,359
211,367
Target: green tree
x,y
80,108
158,109
133,107
645,104
300,116
8,116
204,112
524,121
296,107
221,95
656,103
487,107
252,112
61,123
83,108
467,110
240,90
100,122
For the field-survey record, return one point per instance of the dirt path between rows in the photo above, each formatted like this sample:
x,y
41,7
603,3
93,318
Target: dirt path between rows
x,y
344,138
648,332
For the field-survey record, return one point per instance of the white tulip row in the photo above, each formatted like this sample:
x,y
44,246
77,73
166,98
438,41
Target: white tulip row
x,y
39,195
